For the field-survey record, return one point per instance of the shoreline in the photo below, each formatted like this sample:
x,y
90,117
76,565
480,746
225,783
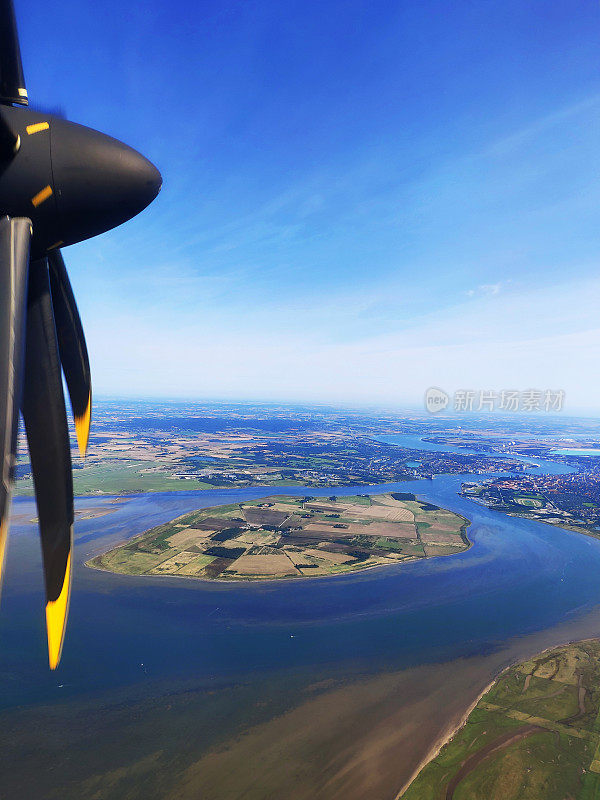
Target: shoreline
x,y
565,527
29,494
286,579
447,736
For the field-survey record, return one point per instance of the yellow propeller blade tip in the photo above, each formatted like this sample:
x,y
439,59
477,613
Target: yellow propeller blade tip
x,y
57,612
82,428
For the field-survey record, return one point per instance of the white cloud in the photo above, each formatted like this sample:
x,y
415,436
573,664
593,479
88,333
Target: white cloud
x,y
486,289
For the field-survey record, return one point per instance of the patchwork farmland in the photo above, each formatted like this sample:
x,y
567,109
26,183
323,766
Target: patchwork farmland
x,y
290,537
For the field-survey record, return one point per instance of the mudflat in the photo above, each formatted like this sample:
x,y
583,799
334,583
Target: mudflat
x,y
296,735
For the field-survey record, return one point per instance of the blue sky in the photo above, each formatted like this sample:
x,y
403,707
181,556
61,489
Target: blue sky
x,y
360,200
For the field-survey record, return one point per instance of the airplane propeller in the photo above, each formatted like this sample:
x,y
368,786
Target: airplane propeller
x,y
60,183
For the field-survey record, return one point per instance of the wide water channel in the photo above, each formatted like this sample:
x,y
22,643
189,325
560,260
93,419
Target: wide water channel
x,y
132,634
519,576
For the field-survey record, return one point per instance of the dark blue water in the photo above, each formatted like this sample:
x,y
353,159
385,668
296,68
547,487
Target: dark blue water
x,y
519,577
418,443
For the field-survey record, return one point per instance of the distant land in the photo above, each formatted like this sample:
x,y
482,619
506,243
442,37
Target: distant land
x,y
159,447
288,537
535,734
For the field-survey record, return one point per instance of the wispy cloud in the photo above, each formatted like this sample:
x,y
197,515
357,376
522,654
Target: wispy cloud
x,y
524,136
486,289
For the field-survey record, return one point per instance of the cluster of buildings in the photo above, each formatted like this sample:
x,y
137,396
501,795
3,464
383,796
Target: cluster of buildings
x,y
576,494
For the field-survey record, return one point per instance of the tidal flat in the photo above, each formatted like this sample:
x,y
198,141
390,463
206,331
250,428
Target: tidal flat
x,y
298,734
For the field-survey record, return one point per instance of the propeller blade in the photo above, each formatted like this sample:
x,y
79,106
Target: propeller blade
x,y
15,235
12,80
43,407
72,348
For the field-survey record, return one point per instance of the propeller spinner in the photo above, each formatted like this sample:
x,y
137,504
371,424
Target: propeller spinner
x,y
60,183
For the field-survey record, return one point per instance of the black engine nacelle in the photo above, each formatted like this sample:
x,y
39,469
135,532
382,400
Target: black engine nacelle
x,y
71,181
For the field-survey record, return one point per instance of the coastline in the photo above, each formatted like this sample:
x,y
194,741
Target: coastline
x,y
238,581
449,734
568,528
361,736
447,737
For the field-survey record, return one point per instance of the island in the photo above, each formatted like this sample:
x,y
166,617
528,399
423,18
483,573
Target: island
x,y
534,734
290,537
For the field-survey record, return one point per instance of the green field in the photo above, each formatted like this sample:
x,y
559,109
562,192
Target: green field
x,y
535,735
531,502
118,477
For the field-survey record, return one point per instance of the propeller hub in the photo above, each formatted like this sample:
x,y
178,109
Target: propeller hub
x,y
99,182
71,181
